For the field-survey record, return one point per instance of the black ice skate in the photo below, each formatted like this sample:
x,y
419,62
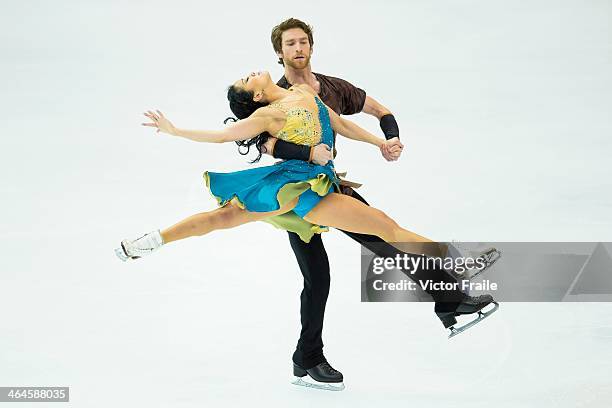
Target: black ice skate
x,y
448,312
322,376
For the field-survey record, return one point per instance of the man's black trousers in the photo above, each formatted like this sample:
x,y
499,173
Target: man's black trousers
x,y
314,264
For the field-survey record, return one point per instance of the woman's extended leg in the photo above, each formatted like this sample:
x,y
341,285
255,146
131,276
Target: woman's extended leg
x,y
346,213
226,217
229,216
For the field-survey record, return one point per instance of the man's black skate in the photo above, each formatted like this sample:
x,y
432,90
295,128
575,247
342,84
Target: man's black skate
x,y
322,376
448,312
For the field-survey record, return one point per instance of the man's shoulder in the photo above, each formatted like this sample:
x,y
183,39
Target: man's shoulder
x,y
348,99
330,78
336,83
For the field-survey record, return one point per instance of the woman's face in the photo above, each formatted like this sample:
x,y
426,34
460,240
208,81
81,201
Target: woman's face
x,y
254,82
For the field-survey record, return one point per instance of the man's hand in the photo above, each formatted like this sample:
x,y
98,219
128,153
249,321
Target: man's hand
x,y
392,149
160,122
322,154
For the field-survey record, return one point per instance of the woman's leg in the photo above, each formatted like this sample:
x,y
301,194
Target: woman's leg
x,y
226,217
349,214
346,213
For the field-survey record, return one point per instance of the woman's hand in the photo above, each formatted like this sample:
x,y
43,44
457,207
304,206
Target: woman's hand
x,y
160,122
391,149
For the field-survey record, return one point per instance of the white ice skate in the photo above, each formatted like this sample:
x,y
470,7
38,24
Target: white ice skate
x,y
139,247
487,258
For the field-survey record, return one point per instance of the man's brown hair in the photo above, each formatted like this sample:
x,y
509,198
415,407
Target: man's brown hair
x,y
277,34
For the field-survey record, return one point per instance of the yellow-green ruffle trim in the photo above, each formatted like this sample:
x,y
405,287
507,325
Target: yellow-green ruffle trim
x,y
288,221
220,201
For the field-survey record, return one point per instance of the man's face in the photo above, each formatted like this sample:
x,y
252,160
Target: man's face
x,y
296,49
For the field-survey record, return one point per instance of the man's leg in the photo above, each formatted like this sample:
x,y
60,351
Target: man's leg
x,y
449,303
314,265
383,249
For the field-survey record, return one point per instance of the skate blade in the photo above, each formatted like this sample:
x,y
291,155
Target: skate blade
x,y
481,316
492,255
318,385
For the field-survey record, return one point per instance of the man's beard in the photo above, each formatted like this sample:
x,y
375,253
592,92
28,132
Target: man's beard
x,y
299,63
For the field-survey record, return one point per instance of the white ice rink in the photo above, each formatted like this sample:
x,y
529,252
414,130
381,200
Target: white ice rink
x,y
504,109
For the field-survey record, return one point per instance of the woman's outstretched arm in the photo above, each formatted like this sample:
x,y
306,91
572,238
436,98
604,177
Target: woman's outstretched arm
x,y
244,129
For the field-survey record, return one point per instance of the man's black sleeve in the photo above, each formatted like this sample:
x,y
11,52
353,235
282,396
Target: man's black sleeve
x,y
287,151
388,124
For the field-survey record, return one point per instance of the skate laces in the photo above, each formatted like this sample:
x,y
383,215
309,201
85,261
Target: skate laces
x,y
483,298
325,365
485,255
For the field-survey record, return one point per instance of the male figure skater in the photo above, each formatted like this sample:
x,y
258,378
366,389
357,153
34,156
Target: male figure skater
x,y
292,41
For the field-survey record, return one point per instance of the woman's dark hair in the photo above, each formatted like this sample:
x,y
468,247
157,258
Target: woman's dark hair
x,y
242,105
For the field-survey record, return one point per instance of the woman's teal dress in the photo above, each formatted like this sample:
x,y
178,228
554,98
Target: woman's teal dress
x,y
268,188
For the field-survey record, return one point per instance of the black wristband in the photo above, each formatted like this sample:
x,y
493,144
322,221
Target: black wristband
x,y
389,126
286,150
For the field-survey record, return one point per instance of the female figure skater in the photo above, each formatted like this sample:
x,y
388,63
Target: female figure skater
x,y
294,195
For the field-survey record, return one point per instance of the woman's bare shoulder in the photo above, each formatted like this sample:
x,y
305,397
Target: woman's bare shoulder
x,y
270,111
275,118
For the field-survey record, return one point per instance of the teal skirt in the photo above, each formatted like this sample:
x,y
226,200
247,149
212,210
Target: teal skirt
x,y
265,189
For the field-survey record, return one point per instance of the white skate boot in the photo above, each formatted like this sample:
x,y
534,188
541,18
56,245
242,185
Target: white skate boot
x,y
139,247
486,257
